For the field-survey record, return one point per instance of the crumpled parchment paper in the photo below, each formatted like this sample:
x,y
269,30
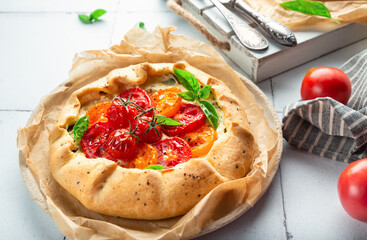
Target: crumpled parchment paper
x,y
343,11
220,206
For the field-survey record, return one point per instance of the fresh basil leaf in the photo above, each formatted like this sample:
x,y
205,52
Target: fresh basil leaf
x,y
210,113
309,7
187,80
84,18
80,127
97,13
140,25
205,91
155,167
189,96
168,121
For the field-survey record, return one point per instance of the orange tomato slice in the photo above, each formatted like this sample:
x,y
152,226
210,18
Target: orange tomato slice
x,y
166,101
146,156
201,140
97,113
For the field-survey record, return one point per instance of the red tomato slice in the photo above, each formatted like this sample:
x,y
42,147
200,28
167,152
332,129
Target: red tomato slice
x,y
120,116
151,136
140,97
120,144
191,115
172,151
94,139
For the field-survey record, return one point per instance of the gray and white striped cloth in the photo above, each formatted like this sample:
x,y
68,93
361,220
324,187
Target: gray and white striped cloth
x,y
328,128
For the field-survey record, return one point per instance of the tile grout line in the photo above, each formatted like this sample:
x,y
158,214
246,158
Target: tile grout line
x,y
287,234
114,23
78,12
15,110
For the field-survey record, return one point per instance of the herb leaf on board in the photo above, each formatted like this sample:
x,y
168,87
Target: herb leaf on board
x,y
309,7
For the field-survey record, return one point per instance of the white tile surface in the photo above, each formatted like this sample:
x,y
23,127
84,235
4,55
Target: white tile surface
x,y
56,6
311,200
125,21
21,216
39,39
37,52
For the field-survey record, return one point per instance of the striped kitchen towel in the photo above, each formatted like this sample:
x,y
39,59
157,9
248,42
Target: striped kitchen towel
x,y
328,128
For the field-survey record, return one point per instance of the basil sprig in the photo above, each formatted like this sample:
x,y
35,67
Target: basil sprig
x,y
163,120
80,127
309,7
194,93
93,17
155,167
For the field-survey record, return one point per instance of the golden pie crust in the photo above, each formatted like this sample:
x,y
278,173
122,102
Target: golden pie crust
x,y
104,187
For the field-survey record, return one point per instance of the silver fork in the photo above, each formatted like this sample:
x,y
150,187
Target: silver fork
x,y
248,36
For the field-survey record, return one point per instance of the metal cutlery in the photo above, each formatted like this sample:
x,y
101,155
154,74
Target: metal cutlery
x,y
276,30
248,36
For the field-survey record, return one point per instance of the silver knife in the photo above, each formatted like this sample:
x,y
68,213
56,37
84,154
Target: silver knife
x,y
248,36
276,30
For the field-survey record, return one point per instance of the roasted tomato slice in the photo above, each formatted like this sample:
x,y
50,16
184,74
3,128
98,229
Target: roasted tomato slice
x,y
151,136
172,151
191,115
94,139
146,155
120,144
97,113
140,97
166,101
201,140
120,116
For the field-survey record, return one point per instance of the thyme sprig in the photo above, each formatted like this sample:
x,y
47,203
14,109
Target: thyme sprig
x,y
156,119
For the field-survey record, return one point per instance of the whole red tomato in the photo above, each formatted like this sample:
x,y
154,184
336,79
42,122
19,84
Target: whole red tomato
x,y
352,189
326,82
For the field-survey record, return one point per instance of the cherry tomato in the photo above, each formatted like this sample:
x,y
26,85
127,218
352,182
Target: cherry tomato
x,y
152,135
172,151
98,112
201,140
352,189
166,101
146,155
94,139
326,82
191,115
120,116
140,97
120,144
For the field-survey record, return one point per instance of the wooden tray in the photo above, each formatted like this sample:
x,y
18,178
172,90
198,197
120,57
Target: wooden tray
x,y
261,65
